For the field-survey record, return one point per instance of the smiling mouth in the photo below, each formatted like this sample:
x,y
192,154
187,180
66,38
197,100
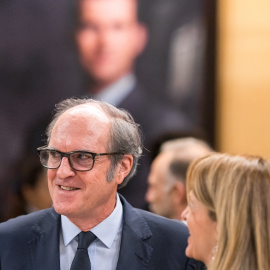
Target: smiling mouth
x,y
68,188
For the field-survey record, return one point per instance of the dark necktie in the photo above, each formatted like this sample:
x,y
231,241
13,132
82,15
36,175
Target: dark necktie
x,y
81,260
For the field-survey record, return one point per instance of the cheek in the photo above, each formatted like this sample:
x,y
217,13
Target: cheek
x,y
125,48
85,44
149,195
200,240
50,176
155,195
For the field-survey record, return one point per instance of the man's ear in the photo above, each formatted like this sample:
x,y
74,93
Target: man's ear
x,y
142,38
180,196
123,168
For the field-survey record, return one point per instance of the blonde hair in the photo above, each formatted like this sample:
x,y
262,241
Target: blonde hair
x,y
236,191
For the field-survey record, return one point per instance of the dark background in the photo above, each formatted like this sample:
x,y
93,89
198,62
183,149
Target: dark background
x,y
39,67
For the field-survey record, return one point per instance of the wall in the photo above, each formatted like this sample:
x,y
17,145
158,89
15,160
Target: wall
x,y
243,98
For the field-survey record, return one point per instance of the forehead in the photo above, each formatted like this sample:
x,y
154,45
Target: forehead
x,y
81,127
108,9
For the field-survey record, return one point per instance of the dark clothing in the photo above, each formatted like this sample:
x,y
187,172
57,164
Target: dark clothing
x,y
149,241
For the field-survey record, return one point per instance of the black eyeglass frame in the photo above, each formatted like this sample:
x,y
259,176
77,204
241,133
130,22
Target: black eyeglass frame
x,y
67,155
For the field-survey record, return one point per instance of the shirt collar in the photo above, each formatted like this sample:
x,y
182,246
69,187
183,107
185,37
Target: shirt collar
x,y
105,231
116,93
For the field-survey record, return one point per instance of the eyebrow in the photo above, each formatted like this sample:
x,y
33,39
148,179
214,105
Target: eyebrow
x,y
76,150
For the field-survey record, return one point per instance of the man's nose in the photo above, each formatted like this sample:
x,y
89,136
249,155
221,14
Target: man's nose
x,y
105,36
65,169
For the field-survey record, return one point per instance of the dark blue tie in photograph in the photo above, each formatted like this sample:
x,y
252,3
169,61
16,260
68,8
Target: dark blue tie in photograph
x,y
81,260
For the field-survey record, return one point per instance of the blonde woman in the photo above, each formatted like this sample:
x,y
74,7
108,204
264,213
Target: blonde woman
x,y
228,212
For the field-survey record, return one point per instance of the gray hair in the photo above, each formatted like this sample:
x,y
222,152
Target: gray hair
x,y
178,169
184,151
188,148
125,135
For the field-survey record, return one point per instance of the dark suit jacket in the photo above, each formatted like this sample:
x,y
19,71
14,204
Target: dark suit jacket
x,y
31,242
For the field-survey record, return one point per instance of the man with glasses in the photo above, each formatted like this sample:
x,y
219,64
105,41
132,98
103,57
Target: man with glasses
x,y
92,150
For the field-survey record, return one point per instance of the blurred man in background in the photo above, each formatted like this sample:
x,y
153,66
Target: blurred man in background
x,y
109,38
166,193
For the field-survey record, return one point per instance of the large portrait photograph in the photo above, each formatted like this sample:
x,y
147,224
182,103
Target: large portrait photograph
x,y
152,58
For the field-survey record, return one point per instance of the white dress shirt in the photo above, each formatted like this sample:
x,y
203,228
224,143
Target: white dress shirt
x,y
104,251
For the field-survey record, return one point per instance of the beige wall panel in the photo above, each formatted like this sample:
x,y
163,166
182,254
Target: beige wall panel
x,y
243,98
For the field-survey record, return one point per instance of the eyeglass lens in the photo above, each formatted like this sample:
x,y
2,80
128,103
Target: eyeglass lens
x,y
79,160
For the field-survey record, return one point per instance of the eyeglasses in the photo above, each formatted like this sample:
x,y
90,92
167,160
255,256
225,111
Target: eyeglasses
x,y
78,160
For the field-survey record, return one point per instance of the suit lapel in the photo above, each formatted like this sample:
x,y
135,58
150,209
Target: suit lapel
x,y
44,246
135,252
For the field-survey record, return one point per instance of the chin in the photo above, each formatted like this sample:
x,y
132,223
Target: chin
x,y
189,252
63,209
